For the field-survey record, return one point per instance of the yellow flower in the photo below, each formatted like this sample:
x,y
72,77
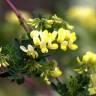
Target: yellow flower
x,y
53,46
64,45
45,77
73,37
30,51
43,47
52,36
66,39
67,35
61,35
72,46
44,36
40,38
78,13
35,36
56,72
47,40
44,40
47,80
88,58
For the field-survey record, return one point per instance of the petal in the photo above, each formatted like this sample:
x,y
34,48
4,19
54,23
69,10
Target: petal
x,y
53,46
44,50
63,47
23,48
30,48
34,33
36,54
73,46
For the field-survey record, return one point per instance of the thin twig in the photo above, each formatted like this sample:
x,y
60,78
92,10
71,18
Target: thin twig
x,y
20,17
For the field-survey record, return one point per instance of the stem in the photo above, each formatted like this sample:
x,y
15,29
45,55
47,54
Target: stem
x,y
20,17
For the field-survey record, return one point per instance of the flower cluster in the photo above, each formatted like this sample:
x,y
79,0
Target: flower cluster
x,y
53,40
88,58
51,70
52,34
55,73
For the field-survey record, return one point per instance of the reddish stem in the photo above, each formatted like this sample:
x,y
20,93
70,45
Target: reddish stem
x,y
13,7
20,17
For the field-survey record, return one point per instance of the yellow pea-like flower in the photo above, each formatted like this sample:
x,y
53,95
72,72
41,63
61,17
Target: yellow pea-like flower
x,y
43,47
44,36
73,37
36,41
64,45
34,33
52,36
73,46
56,72
85,59
67,35
47,40
89,57
44,50
53,46
35,36
61,35
30,51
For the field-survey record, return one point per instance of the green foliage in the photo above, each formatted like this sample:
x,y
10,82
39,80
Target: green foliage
x,y
75,86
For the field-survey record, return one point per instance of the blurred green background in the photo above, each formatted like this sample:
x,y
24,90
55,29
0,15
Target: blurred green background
x,y
79,13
